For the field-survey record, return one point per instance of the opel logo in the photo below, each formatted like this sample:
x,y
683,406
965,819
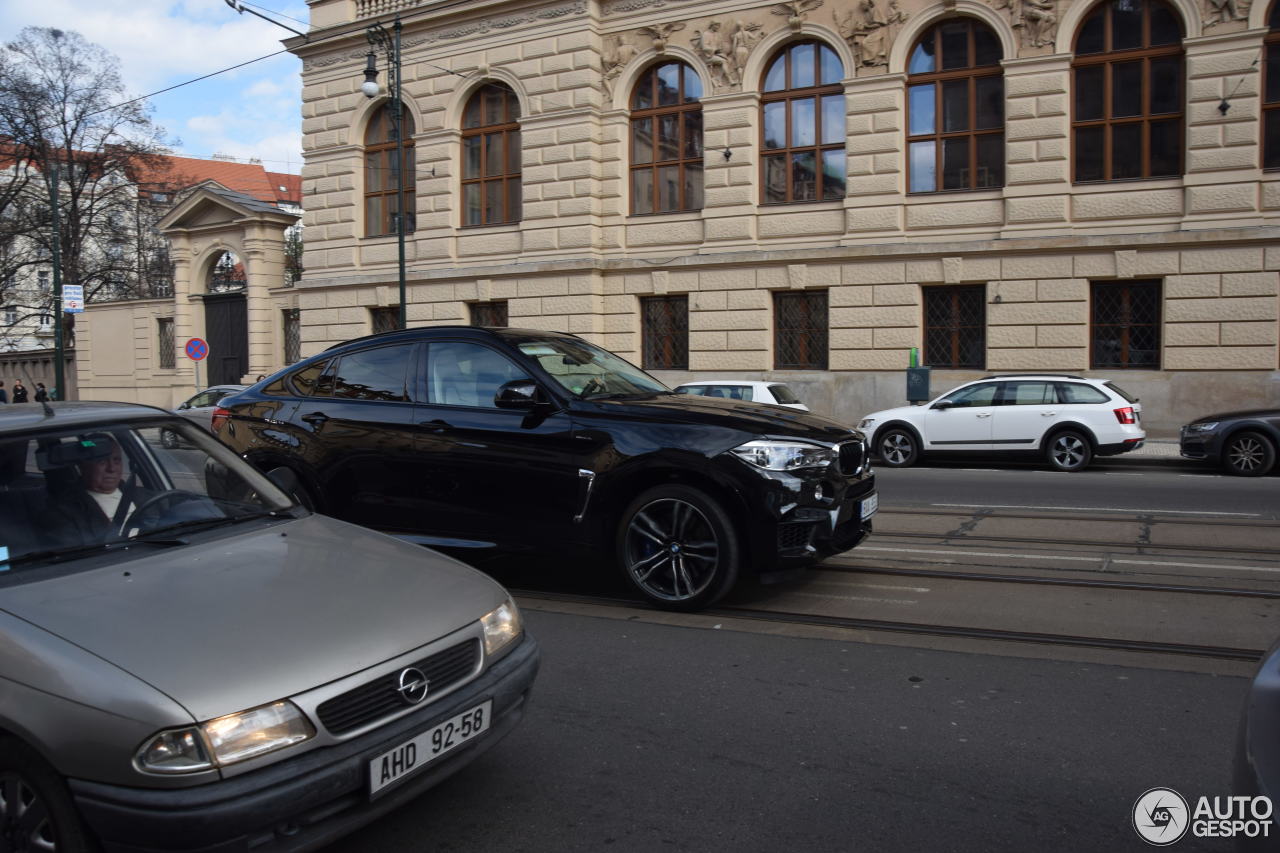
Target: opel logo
x,y
413,685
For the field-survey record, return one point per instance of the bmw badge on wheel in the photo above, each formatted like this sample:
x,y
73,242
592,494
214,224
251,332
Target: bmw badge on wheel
x,y
1161,816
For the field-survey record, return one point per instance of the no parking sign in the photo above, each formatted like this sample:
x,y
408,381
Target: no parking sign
x,y
197,349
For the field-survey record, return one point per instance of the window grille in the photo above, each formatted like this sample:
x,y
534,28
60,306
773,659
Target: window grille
x,y
665,342
489,313
955,320
384,319
292,335
1125,325
800,330
166,343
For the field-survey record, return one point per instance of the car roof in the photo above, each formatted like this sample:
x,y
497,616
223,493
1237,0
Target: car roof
x,y
22,417
727,382
416,332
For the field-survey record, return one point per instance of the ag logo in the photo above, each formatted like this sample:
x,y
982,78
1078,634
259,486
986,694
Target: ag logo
x,y
1160,816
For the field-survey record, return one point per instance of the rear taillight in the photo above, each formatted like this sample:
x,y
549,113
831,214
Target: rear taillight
x,y
1123,415
220,417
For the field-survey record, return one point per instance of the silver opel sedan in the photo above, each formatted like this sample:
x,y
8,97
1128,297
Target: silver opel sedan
x,y
190,660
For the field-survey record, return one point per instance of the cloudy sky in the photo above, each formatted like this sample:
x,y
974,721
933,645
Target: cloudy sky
x,y
250,112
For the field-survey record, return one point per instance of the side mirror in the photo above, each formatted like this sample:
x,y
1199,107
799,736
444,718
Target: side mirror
x,y
285,479
943,404
518,394
184,406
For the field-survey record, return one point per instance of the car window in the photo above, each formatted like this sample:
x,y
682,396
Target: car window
x,y
588,371
1029,394
728,392
982,394
62,492
1116,388
380,373
465,374
783,395
1074,392
204,398
700,390
307,380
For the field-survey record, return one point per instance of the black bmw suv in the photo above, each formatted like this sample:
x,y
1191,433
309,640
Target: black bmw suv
x,y
465,437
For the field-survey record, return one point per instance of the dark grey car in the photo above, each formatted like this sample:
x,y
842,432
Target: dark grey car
x,y
192,661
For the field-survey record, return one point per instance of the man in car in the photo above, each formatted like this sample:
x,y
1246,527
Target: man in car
x,y
99,508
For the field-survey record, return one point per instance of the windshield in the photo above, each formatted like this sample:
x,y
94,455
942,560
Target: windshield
x,y
72,492
589,371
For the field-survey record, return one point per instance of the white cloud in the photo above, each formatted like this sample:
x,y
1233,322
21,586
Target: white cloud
x,y
251,112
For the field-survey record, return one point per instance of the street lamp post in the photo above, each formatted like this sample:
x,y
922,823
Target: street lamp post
x,y
390,45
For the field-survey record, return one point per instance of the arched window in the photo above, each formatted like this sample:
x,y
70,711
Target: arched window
x,y
1128,91
955,109
380,173
666,140
1271,94
803,125
491,157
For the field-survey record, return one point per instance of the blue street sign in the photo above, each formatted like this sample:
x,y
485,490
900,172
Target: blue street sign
x,y
72,298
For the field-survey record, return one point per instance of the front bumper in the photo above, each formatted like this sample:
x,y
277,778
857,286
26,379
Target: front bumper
x,y
1198,445
308,801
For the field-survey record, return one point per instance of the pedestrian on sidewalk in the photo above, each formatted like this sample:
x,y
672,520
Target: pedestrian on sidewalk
x,y
4,395
19,391
41,394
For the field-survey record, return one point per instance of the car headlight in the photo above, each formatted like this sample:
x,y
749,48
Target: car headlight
x,y
865,423
501,627
1204,427
784,455
226,740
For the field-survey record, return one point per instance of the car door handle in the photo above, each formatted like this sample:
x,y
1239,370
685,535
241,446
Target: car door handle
x,y
1047,414
438,426
983,415
316,418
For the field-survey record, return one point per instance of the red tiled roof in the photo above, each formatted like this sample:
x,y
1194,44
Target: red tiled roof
x,y
175,173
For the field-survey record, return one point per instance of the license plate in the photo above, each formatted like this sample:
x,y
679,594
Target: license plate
x,y
412,755
869,505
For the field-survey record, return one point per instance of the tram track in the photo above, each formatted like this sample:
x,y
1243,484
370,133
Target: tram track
x,y
1214,652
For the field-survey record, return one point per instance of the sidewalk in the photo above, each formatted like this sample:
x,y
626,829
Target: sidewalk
x,y
1154,450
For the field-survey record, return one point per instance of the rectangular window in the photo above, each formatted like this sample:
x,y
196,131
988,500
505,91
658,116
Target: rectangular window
x,y
10,316
800,330
665,332
1124,327
955,326
165,342
384,319
493,314
42,280
292,335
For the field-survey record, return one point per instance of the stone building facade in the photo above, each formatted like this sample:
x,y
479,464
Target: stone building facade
x,y
1013,185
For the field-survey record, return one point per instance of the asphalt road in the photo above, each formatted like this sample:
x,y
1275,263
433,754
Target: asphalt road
x,y
645,737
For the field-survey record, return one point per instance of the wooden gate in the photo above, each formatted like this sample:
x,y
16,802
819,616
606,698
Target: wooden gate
x,y
226,320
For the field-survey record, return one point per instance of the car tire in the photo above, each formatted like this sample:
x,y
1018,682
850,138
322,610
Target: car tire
x,y
1069,450
35,804
897,448
678,548
168,439
1248,454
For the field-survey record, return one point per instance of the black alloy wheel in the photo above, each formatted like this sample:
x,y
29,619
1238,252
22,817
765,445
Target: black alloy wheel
x,y
1248,454
168,439
677,548
1069,451
897,448
36,811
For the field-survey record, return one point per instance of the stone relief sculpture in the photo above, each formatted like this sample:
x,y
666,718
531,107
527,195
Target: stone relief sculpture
x,y
1039,22
618,51
1221,11
717,52
794,11
660,34
867,29
742,41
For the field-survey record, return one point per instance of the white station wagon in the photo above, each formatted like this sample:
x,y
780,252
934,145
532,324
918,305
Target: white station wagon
x,y
1067,419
